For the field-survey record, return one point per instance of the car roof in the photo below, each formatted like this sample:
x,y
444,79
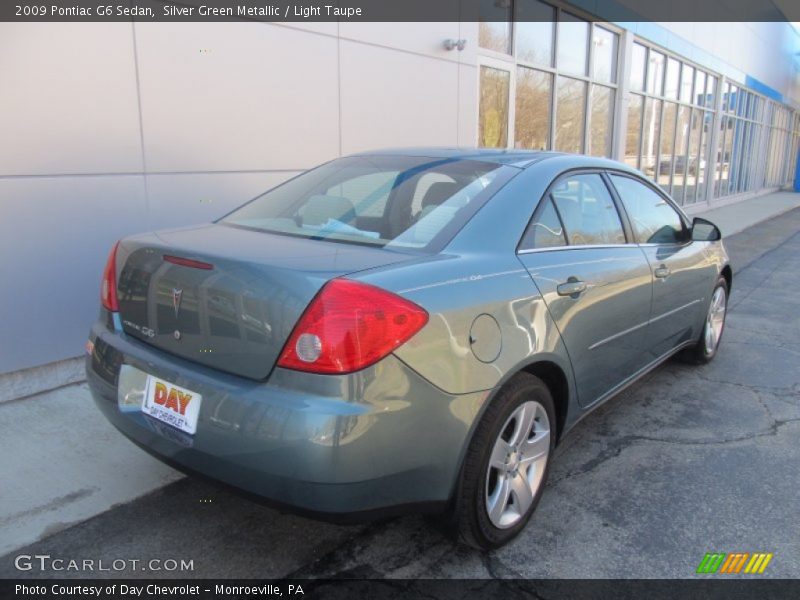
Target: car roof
x,y
517,158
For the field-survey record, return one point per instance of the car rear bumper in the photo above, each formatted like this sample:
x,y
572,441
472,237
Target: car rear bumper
x,y
383,440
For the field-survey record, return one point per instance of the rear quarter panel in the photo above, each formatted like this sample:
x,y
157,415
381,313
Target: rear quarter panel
x,y
456,290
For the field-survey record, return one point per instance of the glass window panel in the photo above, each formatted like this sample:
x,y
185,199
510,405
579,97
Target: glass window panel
x,y
671,83
535,31
587,211
667,145
633,134
652,217
695,132
570,117
493,109
745,157
573,44
711,90
741,103
732,98
650,131
495,36
700,88
638,62
680,161
755,108
748,173
736,154
604,58
687,79
703,174
545,231
532,109
725,158
602,113
655,73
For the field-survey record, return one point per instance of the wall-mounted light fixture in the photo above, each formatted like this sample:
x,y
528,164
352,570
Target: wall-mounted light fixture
x,y
451,44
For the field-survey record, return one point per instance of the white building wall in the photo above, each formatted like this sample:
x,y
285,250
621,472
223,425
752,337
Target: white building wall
x,y
113,129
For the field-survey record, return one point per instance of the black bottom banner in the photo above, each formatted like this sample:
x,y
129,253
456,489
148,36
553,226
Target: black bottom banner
x,y
456,589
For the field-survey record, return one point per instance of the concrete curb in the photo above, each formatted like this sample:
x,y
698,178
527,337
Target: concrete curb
x,y
29,382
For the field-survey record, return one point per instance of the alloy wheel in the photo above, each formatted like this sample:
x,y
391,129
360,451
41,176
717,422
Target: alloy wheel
x,y
715,320
517,464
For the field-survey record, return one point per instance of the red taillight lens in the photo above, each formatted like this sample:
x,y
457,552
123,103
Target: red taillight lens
x,y
349,326
108,289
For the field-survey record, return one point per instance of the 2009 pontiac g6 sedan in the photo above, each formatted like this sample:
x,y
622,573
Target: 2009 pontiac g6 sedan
x,y
406,330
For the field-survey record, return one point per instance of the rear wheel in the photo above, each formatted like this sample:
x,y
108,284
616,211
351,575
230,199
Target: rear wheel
x,y
706,347
506,465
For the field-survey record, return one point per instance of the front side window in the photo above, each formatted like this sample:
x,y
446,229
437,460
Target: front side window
x,y
654,220
587,211
386,201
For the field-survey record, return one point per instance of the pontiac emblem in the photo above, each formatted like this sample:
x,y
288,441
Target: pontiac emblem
x,y
176,300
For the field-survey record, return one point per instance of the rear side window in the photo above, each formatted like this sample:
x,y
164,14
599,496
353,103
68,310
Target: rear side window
x,y
652,217
587,211
545,230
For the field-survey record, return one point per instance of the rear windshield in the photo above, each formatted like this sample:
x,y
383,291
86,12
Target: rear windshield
x,y
390,201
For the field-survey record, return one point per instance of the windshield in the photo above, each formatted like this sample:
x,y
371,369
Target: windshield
x,y
390,201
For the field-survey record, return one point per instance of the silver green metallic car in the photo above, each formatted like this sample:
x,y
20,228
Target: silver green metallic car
x,y
406,330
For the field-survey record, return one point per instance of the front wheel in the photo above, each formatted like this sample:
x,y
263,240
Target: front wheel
x,y
706,347
506,466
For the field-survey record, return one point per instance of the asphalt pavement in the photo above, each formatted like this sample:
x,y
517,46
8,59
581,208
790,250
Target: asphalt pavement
x,y
689,460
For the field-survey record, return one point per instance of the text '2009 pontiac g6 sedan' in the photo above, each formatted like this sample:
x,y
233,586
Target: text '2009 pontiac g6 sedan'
x,y
407,330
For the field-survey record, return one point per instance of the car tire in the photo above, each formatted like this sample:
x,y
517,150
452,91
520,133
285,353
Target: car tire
x,y
703,351
525,401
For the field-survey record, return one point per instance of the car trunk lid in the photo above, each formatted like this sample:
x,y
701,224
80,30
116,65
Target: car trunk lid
x,y
228,297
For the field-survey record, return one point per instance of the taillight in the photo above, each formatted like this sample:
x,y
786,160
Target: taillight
x,y
108,289
349,326
188,262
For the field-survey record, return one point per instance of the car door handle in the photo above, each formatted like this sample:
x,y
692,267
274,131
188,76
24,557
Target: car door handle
x,y
572,287
662,272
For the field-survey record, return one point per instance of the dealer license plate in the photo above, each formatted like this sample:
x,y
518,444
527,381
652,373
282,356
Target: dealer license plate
x,y
172,404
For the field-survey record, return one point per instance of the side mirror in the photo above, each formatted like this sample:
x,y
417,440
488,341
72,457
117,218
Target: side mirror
x,y
705,231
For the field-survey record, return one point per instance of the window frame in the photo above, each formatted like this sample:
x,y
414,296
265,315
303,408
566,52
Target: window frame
x,y
700,191
540,204
684,219
510,62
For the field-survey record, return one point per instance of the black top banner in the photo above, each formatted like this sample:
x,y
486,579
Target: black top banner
x,y
154,11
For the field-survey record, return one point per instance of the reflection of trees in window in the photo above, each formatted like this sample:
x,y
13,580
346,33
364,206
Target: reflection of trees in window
x,y
650,130
495,36
602,102
667,144
493,112
570,117
532,111
693,169
633,134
